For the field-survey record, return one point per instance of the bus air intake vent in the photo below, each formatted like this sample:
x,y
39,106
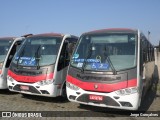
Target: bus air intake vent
x,y
31,89
95,78
107,100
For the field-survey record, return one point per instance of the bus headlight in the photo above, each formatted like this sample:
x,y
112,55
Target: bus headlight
x,y
10,78
71,86
45,82
127,91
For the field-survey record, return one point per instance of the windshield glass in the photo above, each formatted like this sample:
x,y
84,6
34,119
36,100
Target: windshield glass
x,y
105,52
4,47
38,51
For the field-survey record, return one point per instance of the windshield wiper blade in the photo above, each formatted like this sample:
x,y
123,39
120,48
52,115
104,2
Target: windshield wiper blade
x,y
87,57
109,61
37,57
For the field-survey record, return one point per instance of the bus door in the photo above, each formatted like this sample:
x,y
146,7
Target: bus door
x,y
14,48
64,60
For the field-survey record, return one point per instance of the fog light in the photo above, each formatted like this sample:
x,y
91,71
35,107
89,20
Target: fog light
x,y
126,104
72,97
10,87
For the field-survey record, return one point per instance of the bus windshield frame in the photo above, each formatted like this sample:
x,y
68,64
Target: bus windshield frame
x,y
38,51
106,52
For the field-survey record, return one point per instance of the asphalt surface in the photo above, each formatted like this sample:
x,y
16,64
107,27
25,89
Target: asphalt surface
x,y
58,108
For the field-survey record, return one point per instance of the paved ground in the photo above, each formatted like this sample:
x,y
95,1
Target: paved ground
x,y
16,102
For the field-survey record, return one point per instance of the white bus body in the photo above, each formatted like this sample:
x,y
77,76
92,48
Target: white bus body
x,y
41,64
111,68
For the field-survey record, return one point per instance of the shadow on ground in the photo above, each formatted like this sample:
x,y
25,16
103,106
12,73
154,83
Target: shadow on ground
x,y
7,92
45,99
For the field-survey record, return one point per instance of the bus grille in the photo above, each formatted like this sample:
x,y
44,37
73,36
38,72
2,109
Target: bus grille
x,y
107,100
31,89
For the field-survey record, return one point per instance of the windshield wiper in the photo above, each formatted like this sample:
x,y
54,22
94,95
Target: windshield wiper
x,y
87,57
109,61
37,57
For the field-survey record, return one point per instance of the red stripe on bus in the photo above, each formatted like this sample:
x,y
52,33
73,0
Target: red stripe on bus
x,y
102,87
0,71
30,79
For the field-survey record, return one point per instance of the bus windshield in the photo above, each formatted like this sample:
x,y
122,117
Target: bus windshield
x,y
4,47
38,51
105,52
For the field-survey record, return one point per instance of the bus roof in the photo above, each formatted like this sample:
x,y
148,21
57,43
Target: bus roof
x,y
112,30
7,38
47,35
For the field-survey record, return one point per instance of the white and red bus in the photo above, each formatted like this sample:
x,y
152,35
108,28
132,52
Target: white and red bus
x,y
40,66
8,47
111,68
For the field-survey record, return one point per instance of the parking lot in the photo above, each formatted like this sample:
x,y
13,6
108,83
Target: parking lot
x,y
10,101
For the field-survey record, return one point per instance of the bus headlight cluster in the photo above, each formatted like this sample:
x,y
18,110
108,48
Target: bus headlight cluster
x,y
71,86
127,91
45,82
10,78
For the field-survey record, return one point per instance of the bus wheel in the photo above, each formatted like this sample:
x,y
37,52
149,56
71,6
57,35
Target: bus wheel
x,y
141,100
152,81
140,104
64,93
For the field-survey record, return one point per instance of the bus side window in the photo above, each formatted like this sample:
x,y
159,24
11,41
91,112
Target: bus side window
x,y
66,53
144,50
71,47
62,63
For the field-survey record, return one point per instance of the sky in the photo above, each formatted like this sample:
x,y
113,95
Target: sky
x,y
19,17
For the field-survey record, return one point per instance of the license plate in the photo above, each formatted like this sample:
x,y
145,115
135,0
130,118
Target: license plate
x,y
24,87
96,97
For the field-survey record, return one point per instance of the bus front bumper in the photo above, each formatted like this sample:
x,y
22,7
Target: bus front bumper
x,y
110,100
49,90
